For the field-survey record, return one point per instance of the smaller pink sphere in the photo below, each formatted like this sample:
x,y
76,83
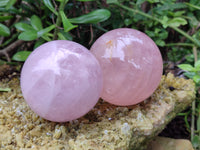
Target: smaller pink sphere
x,y
61,81
131,64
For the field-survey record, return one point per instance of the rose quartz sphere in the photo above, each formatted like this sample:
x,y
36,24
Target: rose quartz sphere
x,y
61,81
131,65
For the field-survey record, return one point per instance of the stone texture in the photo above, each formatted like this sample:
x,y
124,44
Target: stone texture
x,y
163,143
61,80
106,127
131,64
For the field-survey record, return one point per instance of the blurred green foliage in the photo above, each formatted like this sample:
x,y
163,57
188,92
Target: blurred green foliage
x,y
40,21
84,21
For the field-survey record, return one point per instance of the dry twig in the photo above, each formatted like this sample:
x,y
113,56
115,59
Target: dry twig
x,y
7,50
92,35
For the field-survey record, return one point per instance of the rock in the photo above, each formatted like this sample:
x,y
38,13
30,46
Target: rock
x,y
106,127
6,136
163,143
19,139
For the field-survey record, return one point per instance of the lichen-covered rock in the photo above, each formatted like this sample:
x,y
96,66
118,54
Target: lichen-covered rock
x,y
106,127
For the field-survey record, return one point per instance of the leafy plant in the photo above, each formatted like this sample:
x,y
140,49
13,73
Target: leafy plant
x,y
4,30
21,56
50,20
164,20
35,30
193,72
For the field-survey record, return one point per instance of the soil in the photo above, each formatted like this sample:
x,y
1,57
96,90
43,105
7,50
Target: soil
x,y
8,71
176,129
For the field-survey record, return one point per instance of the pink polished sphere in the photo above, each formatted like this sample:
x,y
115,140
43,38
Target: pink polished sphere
x,y
61,81
131,65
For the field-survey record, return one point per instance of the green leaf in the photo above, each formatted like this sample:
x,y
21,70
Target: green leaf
x,y
193,6
65,1
45,30
21,55
176,22
66,24
84,0
61,36
4,18
178,13
128,21
140,2
195,141
28,35
171,7
5,89
164,21
39,42
190,74
4,31
197,65
160,42
192,19
196,78
46,38
10,3
49,5
62,1
95,16
65,35
36,23
153,1
111,1
23,26
186,67
150,33
3,3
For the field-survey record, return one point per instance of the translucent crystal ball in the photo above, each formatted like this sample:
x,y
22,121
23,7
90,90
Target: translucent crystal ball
x,y
131,64
61,81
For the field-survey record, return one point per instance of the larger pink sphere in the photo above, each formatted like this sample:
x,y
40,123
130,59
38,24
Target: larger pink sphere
x,y
61,81
131,64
